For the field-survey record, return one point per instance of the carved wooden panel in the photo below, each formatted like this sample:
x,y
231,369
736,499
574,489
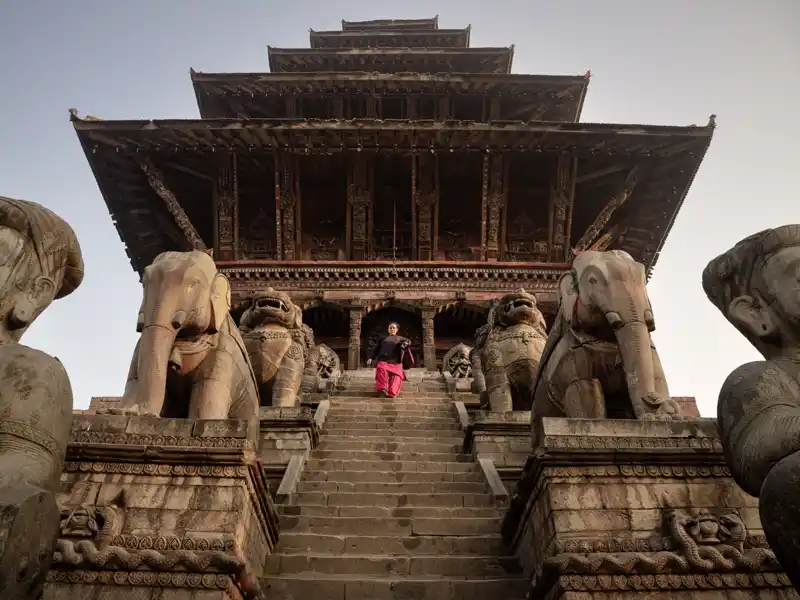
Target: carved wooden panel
x,y
495,202
427,196
226,204
359,197
561,199
287,195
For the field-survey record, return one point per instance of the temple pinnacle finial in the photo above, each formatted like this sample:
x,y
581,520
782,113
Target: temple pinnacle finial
x,y
712,121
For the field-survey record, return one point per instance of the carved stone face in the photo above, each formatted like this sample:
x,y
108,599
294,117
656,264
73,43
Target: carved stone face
x,y
272,307
520,308
782,274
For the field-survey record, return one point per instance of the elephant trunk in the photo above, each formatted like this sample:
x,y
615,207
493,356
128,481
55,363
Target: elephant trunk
x,y
633,339
155,353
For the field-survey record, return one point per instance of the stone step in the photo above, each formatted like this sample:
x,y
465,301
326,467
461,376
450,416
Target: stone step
x,y
371,431
391,525
388,421
379,444
373,455
413,466
402,401
396,512
392,566
453,437
404,395
350,587
384,477
309,543
370,487
393,500
358,410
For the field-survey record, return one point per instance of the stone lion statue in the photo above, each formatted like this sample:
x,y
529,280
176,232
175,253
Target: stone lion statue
x,y
511,346
277,343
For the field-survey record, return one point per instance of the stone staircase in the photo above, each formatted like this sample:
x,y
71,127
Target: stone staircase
x,y
388,508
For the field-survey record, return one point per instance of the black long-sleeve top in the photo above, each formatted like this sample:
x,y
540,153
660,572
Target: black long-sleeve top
x,y
387,349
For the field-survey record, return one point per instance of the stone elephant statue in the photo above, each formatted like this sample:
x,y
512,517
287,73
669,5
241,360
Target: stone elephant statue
x,y
509,358
190,361
599,360
276,342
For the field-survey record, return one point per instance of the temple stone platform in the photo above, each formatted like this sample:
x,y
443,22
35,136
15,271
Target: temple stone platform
x,y
166,509
613,509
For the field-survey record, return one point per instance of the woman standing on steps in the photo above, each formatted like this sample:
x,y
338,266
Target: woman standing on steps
x,y
393,353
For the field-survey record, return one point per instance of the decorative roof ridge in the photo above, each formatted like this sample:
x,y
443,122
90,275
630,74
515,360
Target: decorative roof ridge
x,y
89,123
392,50
378,75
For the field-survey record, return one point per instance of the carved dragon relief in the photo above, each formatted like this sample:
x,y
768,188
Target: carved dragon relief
x,y
703,543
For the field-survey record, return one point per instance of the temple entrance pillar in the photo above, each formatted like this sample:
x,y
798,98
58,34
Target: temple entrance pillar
x,y
428,339
354,340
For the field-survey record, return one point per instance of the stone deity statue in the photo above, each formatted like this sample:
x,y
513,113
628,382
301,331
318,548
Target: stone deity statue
x,y
756,285
41,261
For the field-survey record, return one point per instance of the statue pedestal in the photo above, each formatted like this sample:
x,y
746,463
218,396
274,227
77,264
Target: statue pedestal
x,y
502,438
457,385
610,510
287,437
162,508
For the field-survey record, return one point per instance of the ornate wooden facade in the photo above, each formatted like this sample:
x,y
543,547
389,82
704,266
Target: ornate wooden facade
x,y
391,167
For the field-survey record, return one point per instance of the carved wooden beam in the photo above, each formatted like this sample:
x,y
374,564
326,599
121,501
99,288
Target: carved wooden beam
x,y
426,198
496,199
600,173
484,203
562,196
156,180
226,205
617,200
286,195
359,195
278,229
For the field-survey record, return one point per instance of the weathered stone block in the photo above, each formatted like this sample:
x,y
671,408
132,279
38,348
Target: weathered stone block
x,y
502,437
162,508
609,510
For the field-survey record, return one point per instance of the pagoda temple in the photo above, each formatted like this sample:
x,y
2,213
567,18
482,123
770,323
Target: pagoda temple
x,y
391,172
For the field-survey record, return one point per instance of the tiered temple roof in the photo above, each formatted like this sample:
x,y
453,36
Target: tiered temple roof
x,y
386,91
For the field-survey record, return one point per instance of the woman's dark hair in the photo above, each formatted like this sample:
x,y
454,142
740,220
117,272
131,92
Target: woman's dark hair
x,y
393,323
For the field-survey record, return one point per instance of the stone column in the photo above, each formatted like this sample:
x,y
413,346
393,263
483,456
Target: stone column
x,y
354,345
428,340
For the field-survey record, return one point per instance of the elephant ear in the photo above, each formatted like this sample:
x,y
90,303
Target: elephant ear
x,y
568,295
140,316
220,302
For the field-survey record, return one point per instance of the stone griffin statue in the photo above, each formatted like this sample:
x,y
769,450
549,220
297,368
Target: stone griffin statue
x,y
514,342
457,362
273,333
322,367
190,361
41,262
600,361
756,285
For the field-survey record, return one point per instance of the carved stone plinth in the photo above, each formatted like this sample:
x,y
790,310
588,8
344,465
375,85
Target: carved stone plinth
x,y
162,508
504,438
637,509
457,384
286,434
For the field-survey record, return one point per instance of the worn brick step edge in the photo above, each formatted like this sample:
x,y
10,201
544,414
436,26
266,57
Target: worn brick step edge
x,y
381,445
411,413
422,399
452,437
391,456
391,433
392,477
393,545
396,512
393,566
446,487
367,417
391,525
413,466
412,500
350,587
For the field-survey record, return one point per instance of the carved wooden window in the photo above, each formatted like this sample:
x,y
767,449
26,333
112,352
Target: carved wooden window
x,y
426,107
316,108
468,108
357,108
393,107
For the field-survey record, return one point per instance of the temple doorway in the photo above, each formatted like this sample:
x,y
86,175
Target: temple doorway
x,y
456,324
375,324
331,326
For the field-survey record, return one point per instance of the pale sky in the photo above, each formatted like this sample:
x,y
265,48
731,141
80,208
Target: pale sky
x,y
666,62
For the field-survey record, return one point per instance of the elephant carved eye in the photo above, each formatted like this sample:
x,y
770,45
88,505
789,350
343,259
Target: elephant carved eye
x,y
592,279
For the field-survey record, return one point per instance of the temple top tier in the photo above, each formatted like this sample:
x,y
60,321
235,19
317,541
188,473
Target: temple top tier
x,y
391,46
